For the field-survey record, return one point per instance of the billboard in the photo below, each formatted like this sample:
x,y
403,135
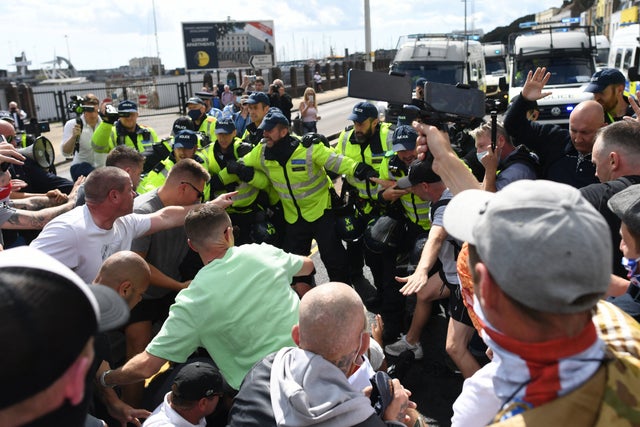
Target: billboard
x,y
228,44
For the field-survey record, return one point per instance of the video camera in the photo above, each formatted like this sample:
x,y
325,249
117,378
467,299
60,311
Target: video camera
x,y
76,105
459,104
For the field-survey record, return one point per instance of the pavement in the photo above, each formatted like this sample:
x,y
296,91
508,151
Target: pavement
x,y
162,123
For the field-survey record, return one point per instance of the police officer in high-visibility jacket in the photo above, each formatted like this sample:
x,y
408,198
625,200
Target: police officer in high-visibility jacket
x,y
185,145
416,214
204,123
296,169
227,150
367,142
122,128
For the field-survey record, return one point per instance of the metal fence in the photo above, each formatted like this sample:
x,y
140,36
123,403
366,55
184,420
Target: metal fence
x,y
170,94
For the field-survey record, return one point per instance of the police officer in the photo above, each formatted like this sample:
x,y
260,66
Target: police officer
x,y
204,123
220,155
122,128
414,213
259,105
367,142
185,145
296,169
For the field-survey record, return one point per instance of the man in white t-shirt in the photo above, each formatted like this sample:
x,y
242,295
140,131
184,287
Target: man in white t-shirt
x,y
87,235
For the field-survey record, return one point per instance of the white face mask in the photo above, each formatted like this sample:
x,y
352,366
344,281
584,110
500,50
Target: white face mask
x,y
480,154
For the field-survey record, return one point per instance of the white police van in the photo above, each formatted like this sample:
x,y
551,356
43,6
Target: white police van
x,y
569,55
624,53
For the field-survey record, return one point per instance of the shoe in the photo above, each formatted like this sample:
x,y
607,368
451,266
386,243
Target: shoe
x,y
402,345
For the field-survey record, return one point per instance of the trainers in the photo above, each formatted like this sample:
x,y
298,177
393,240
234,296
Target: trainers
x,y
402,345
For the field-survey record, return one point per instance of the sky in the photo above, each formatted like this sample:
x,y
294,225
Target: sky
x,y
106,34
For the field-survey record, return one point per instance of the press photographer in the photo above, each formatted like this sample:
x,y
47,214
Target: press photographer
x,y
77,135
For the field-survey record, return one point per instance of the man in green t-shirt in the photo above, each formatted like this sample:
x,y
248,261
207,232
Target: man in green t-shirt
x,y
239,307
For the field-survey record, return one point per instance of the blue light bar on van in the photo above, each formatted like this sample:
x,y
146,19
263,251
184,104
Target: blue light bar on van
x,y
570,108
527,24
574,20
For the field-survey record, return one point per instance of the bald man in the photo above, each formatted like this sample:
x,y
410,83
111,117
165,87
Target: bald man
x,y
308,384
129,275
565,155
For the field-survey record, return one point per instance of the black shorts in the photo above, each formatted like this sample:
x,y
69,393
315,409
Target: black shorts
x,y
457,309
152,310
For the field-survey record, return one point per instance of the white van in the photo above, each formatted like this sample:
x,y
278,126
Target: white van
x,y
569,55
495,58
625,53
441,58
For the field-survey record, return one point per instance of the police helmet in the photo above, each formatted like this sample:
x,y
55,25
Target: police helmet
x,y
383,234
416,250
264,232
349,227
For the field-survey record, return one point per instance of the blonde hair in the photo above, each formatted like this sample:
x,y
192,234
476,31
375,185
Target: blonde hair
x,y
308,92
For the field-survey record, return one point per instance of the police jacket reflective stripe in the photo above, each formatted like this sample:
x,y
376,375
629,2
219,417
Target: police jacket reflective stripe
x,y
370,153
414,208
107,136
300,180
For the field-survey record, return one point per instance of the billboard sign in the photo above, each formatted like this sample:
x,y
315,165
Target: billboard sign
x,y
228,44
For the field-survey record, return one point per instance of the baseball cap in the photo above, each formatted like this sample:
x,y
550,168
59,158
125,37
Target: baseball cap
x,y
363,111
182,123
258,97
603,78
185,139
47,314
626,204
6,116
272,119
195,101
127,106
197,380
225,125
419,171
543,243
409,113
404,138
204,95
420,82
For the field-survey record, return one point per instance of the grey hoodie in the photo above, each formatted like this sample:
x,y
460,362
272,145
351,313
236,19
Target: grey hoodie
x,y
308,390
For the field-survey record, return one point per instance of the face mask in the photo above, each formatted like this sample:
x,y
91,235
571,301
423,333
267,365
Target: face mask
x,y
630,265
480,155
194,114
238,98
5,192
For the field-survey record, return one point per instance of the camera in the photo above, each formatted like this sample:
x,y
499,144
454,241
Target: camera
x,y
75,105
252,78
459,104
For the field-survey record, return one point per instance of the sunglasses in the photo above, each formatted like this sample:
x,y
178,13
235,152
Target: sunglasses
x,y
200,193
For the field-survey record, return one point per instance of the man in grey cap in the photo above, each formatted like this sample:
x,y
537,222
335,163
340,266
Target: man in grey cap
x,y
626,205
195,394
607,86
539,257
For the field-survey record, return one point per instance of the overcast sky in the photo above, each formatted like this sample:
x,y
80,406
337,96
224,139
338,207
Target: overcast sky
x,y
106,34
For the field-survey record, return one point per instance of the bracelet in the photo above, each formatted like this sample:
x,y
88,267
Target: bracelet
x,y
102,379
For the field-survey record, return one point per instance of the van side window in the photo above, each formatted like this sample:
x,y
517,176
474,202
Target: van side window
x,y
627,59
618,61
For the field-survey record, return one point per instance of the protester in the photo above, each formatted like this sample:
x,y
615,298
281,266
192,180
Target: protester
x,y
307,385
49,318
245,286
